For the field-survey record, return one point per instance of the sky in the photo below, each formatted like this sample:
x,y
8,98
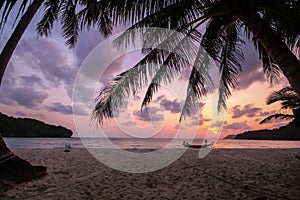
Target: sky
x,y
39,83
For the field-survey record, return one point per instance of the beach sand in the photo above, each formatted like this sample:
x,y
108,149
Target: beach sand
x,y
223,174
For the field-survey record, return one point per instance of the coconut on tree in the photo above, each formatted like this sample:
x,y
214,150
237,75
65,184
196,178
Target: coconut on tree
x,y
290,100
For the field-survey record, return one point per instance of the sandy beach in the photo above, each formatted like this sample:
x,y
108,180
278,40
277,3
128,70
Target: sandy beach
x,y
223,174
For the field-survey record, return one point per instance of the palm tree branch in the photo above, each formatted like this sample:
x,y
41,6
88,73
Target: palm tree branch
x,y
276,116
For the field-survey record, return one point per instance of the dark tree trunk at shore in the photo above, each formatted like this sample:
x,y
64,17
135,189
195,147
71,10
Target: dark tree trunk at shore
x,y
3,148
297,117
276,49
13,168
14,39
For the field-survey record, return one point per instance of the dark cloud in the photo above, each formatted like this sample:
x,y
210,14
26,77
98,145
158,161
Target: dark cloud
x,y
267,113
251,68
27,97
66,109
31,81
218,124
58,107
23,114
238,126
149,114
86,43
248,110
129,123
47,57
172,106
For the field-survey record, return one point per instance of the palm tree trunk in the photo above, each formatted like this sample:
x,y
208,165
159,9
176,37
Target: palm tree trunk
x,y
14,39
296,113
12,167
3,148
276,49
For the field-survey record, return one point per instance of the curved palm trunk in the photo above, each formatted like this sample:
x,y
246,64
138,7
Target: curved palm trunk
x,y
14,39
276,48
12,167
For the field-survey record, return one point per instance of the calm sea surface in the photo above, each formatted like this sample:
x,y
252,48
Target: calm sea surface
x,y
129,143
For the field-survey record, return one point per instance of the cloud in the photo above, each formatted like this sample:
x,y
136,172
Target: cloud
x,y
251,68
23,114
57,65
238,126
58,107
84,46
66,109
149,114
248,110
27,97
31,81
172,106
129,123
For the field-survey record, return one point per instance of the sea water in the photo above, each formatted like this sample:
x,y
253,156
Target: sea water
x,y
140,143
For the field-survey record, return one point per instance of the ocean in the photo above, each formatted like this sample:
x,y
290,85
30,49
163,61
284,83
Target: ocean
x,y
130,143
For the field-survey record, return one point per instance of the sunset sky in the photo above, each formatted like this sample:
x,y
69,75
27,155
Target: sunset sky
x,y
39,83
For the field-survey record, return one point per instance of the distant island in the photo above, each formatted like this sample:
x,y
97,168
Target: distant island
x,y
288,132
26,127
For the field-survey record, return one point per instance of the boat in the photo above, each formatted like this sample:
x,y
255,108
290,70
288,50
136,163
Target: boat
x,y
198,146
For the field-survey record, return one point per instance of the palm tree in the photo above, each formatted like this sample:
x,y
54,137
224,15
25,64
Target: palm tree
x,y
13,167
289,101
22,25
272,26
63,11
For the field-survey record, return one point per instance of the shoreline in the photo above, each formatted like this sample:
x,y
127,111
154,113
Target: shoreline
x,y
223,173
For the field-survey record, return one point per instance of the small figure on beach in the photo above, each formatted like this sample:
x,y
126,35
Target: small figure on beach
x,y
67,147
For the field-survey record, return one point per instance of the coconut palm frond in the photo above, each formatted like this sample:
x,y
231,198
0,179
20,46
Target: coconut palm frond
x,y
200,83
285,94
6,7
113,95
70,22
271,70
230,64
283,17
172,66
51,12
277,116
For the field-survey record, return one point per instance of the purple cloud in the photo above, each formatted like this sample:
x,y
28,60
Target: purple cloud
x,y
129,123
238,126
27,97
251,69
58,107
149,114
23,114
66,109
248,110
